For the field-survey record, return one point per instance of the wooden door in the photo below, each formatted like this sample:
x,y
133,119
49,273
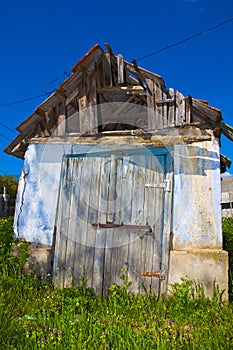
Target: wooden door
x,y
113,213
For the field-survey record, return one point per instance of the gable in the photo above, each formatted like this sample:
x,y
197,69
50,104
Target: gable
x,y
101,78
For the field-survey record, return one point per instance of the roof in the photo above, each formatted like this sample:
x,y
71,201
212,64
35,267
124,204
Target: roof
x,y
136,80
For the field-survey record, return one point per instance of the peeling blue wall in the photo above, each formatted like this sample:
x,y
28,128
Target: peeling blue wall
x,y
38,190
197,196
196,221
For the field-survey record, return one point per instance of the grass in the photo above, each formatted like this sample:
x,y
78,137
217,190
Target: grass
x,y
227,227
35,315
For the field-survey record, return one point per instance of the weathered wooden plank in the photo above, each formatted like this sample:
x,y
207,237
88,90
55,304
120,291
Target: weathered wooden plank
x,y
99,259
117,238
124,90
113,238
145,74
121,166
93,119
123,242
111,234
107,70
158,107
70,228
92,218
129,241
72,96
188,110
64,224
44,123
151,106
72,231
165,110
183,110
149,240
61,126
111,191
167,221
82,103
171,109
141,202
134,272
180,109
158,174
109,66
120,69
81,219
143,238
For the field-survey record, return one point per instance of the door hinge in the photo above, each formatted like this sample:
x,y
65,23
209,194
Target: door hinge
x,y
166,185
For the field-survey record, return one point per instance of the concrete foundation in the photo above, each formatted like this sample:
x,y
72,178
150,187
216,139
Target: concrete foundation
x,y
201,265
39,261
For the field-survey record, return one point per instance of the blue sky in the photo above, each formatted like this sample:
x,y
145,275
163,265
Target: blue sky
x,y
40,40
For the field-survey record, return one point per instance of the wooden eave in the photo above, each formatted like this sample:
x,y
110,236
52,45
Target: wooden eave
x,y
96,50
211,116
206,110
27,126
225,163
87,59
13,147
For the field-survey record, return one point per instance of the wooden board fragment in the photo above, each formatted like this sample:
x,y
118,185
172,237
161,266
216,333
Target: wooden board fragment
x,y
158,107
120,69
171,109
151,106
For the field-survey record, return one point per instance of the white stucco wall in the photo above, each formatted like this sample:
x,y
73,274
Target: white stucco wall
x,y
197,196
196,221
37,192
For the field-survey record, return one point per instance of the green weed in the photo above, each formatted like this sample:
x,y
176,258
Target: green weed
x,y
227,228
36,315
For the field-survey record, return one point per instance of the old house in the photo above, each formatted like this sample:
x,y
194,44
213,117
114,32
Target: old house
x,y
227,197
122,173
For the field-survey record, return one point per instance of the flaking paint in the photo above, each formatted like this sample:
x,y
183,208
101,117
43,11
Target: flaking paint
x,y
196,221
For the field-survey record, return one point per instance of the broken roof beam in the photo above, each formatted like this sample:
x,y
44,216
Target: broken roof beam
x,y
227,130
139,72
144,73
225,163
109,49
207,110
118,66
140,77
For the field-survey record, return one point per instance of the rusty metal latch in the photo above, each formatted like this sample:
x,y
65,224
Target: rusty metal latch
x,y
161,274
112,225
166,185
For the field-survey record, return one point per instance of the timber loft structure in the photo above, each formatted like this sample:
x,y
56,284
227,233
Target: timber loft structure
x,y
102,77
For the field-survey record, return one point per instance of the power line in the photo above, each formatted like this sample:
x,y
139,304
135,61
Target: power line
x,y
5,137
186,39
138,59
3,143
6,127
26,99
